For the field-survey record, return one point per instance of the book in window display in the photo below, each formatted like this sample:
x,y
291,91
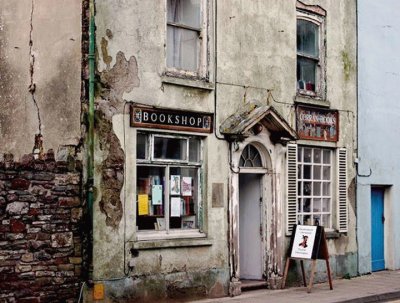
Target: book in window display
x,y
143,205
157,194
175,185
175,207
187,186
189,222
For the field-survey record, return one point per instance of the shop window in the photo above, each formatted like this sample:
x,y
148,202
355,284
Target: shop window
x,y
314,185
168,187
310,51
186,37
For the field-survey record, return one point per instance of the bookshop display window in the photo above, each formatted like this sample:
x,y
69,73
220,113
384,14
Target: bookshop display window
x,y
314,186
167,189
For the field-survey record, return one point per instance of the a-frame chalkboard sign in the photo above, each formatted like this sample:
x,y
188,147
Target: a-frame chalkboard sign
x,y
308,243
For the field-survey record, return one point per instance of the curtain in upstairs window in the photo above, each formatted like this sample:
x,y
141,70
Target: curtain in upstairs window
x,y
183,31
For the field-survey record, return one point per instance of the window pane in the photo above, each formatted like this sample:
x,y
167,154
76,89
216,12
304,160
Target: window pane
x,y
300,154
307,172
317,156
317,172
326,205
317,220
326,220
184,203
316,188
150,198
307,189
141,146
194,150
317,205
307,155
306,70
250,157
326,189
299,206
326,172
307,205
185,12
183,48
327,156
170,148
307,38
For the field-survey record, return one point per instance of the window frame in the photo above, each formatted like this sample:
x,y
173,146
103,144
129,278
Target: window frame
x,y
202,72
301,180
340,202
167,164
318,18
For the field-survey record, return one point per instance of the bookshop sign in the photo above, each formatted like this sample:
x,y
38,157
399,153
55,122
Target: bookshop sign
x,y
317,124
151,117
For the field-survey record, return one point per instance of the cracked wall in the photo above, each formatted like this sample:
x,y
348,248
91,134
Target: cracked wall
x,y
40,74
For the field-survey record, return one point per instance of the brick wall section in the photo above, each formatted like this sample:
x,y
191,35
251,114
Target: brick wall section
x,y
40,229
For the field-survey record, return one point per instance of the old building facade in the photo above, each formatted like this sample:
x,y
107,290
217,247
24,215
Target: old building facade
x,y
222,124
208,129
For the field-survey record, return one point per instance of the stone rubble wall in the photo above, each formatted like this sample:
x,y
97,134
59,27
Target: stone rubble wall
x,y
41,223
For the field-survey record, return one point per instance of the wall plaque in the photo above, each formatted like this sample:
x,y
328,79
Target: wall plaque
x,y
151,117
317,124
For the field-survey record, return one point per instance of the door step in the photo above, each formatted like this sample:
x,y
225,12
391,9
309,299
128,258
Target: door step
x,y
252,284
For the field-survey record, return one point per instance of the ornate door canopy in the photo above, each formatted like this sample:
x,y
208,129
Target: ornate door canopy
x,y
252,118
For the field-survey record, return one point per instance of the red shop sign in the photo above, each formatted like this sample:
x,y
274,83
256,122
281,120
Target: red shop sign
x,y
317,124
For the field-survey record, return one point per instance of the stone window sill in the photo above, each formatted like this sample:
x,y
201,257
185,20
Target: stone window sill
x,y
200,84
171,243
302,99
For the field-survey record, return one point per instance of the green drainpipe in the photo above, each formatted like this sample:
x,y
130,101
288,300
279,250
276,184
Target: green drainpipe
x,y
90,141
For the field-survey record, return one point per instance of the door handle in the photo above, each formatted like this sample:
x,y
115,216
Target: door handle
x,y
383,219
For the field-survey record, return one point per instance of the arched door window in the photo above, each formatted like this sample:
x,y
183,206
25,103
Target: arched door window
x,y
250,157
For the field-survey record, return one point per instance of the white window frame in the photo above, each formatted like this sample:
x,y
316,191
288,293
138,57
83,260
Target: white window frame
x,y
202,70
320,73
300,181
339,187
167,164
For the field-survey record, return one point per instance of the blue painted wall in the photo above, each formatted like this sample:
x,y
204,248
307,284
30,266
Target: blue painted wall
x,y
379,124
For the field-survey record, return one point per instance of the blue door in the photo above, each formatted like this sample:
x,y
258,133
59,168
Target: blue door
x,y
377,230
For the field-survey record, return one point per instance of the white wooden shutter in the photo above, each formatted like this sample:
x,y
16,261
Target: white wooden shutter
x,y
291,207
342,209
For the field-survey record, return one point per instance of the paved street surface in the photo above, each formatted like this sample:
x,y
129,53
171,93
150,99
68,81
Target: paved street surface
x,y
381,286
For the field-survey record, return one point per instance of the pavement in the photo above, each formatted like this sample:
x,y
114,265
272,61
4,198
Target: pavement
x,y
383,286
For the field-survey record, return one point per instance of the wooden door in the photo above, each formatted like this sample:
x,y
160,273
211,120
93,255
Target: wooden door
x,y
377,230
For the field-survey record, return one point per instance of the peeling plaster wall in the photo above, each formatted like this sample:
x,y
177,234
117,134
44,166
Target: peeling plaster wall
x,y
40,70
267,60
261,66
